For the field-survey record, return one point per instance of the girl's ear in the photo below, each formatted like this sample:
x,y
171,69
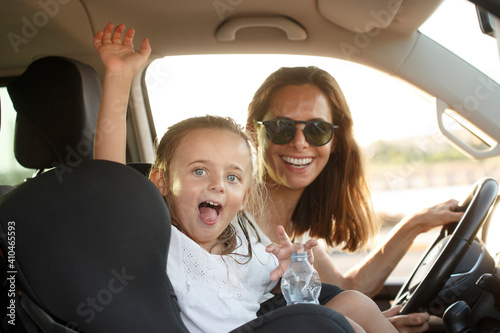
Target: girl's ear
x,y
158,179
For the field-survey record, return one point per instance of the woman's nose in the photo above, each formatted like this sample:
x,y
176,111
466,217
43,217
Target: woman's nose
x,y
299,141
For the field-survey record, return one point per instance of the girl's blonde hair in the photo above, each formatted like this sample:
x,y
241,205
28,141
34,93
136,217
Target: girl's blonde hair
x,y
337,205
166,149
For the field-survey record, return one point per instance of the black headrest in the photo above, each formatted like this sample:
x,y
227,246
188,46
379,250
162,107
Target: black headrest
x,y
57,101
91,246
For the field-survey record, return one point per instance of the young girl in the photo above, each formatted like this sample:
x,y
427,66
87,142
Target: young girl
x,y
217,264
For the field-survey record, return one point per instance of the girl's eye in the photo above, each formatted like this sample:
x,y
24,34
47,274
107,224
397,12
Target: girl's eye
x,y
199,172
232,178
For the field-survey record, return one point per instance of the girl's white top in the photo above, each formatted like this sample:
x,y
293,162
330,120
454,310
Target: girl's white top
x,y
216,293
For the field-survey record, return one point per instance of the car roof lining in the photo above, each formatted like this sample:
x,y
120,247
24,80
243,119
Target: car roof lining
x,y
66,22
397,48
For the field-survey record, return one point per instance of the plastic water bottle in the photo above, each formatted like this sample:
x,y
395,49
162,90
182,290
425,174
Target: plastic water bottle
x,y
300,283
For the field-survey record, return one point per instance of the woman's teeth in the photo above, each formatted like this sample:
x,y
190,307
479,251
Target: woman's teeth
x,y
297,162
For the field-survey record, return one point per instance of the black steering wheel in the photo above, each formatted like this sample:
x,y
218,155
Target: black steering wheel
x,y
441,259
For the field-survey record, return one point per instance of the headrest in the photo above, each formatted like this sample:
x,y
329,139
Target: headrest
x,y
57,101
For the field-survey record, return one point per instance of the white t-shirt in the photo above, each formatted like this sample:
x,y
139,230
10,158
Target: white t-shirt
x,y
216,293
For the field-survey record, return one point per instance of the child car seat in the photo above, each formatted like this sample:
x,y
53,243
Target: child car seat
x,y
90,247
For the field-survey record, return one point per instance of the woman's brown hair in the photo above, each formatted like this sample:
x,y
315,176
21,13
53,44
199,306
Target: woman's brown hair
x,y
337,205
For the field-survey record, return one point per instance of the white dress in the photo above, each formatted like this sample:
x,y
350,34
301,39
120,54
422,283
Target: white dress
x,y
216,293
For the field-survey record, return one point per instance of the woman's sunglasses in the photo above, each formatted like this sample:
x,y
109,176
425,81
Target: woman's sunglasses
x,y
282,130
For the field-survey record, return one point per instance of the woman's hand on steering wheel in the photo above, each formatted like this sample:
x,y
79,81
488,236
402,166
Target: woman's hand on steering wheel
x,y
411,323
437,215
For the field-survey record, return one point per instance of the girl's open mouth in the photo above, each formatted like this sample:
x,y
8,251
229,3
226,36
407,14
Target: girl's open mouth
x,y
209,212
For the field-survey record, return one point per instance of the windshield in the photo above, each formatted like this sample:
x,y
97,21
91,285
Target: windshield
x,y
455,25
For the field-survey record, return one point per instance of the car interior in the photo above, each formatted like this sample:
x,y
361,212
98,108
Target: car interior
x,y
66,264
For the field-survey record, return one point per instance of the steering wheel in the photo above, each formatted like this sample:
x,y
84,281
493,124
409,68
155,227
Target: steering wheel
x,y
441,259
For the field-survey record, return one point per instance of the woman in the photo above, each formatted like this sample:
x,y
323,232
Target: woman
x,y
313,169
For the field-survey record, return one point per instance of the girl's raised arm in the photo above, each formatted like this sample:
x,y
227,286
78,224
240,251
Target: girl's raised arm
x,y
121,63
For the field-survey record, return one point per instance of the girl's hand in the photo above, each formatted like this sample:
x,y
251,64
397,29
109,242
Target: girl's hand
x,y
284,252
118,55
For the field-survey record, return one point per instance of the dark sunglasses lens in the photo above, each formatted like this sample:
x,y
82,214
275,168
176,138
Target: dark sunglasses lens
x,y
318,133
280,131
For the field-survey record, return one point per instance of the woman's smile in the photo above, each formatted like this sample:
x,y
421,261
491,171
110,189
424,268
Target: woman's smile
x,y
298,163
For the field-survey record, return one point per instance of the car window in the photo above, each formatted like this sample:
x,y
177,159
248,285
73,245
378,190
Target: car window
x,y
455,25
11,172
196,85
410,164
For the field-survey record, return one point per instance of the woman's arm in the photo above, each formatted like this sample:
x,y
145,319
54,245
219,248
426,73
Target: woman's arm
x,y
369,275
121,63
